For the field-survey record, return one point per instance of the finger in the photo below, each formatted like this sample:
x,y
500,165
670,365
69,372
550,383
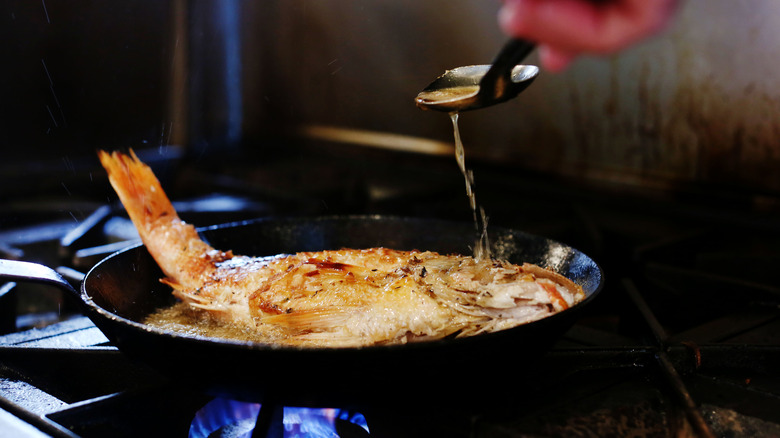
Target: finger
x,y
585,26
555,60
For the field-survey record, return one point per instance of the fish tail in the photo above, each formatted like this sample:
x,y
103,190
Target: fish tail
x,y
174,244
138,189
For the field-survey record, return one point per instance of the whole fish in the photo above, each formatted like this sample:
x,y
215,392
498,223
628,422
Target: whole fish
x,y
333,298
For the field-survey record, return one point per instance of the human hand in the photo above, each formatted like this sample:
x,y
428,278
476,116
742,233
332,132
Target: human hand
x,y
564,29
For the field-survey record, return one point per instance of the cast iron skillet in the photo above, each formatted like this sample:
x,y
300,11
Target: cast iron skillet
x,y
121,290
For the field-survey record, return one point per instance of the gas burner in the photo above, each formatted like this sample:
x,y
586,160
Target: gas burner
x,y
230,418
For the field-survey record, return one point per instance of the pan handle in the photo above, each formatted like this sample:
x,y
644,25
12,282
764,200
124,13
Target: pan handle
x,y
15,270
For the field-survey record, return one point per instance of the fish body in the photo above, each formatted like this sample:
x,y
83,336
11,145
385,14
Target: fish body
x,y
334,298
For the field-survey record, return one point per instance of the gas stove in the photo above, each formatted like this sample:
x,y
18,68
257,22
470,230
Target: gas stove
x,y
683,340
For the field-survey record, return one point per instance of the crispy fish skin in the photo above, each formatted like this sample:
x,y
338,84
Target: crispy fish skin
x,y
334,298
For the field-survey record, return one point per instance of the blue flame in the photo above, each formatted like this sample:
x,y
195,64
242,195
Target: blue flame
x,y
237,419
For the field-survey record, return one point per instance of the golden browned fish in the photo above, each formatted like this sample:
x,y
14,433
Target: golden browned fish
x,y
346,297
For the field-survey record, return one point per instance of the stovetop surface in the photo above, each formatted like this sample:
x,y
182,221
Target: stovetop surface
x,y
683,341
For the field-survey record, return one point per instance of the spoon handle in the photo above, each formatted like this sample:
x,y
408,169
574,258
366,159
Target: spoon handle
x,y
499,75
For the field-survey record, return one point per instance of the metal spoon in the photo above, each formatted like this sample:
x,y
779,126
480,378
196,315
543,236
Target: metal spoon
x,y
477,86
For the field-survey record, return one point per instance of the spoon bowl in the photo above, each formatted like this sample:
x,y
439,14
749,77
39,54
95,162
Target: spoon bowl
x,y
477,86
459,89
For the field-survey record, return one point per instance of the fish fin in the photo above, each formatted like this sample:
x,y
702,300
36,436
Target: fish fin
x,y
208,307
315,319
188,296
172,283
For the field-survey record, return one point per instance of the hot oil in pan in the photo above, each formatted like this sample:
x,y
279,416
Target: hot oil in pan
x,y
482,245
183,319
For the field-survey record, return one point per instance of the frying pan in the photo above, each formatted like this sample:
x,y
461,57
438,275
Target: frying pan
x,y
121,290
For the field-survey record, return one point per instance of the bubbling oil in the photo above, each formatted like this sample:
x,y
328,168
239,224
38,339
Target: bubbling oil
x,y
183,319
482,245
